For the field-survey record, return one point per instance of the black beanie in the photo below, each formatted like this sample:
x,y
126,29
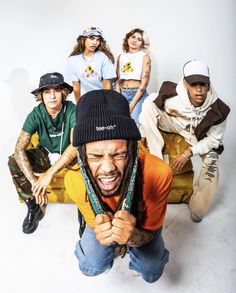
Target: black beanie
x,y
103,115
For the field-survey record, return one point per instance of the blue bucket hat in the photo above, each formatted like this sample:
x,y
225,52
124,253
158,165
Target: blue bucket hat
x,y
91,31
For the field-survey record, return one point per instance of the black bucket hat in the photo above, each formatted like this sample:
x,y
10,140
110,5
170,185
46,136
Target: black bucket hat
x,y
103,115
52,80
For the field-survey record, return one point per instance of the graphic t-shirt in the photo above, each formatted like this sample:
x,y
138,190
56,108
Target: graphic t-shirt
x,y
90,71
130,65
53,133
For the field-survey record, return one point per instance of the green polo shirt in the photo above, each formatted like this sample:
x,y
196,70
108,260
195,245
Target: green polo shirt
x,y
51,130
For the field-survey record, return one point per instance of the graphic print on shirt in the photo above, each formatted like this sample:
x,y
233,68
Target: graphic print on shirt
x,y
175,113
89,72
127,67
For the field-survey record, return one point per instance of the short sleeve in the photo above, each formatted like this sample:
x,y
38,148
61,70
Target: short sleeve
x,y
71,74
108,69
157,179
29,125
72,116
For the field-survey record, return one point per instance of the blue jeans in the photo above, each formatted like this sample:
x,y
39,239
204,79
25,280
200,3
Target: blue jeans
x,y
129,93
149,260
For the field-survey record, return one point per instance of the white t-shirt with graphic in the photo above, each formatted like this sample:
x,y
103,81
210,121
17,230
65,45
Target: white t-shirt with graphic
x,y
131,65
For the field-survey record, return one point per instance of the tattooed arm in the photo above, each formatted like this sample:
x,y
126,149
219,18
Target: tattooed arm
x,y
140,237
124,230
24,164
44,179
146,71
21,157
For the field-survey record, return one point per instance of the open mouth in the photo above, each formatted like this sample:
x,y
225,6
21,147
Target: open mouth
x,y
108,183
200,97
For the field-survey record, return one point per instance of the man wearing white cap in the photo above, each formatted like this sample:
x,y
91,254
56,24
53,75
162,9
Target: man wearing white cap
x,y
191,109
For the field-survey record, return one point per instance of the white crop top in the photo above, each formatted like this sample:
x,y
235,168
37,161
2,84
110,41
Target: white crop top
x,y
130,65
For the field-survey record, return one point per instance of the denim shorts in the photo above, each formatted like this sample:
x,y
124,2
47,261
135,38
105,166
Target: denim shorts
x,y
129,93
149,260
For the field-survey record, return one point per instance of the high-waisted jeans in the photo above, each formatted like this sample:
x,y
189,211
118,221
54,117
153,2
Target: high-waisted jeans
x,y
129,93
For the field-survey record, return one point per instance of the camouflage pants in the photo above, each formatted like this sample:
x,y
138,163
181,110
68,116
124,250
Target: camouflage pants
x,y
39,162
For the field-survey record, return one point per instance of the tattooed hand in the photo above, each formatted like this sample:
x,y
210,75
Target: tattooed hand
x,y
120,229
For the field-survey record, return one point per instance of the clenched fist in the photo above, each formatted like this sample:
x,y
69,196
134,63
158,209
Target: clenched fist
x,y
123,227
102,229
114,229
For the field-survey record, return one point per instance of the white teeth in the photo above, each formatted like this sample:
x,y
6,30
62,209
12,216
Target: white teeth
x,y
108,179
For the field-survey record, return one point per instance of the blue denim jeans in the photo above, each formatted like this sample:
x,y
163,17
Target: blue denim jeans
x,y
148,260
129,93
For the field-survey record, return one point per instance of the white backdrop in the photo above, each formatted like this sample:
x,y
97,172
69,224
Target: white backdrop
x,y
37,36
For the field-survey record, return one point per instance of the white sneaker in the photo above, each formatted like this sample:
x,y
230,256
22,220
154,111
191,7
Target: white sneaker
x,y
135,273
195,218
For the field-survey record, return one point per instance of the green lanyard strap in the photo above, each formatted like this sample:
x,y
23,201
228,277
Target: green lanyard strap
x,y
130,192
97,207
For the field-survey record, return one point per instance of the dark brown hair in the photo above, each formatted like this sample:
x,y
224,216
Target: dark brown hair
x,y
103,47
64,91
145,42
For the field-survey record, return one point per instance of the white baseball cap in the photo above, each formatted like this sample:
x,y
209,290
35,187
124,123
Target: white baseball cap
x,y
196,71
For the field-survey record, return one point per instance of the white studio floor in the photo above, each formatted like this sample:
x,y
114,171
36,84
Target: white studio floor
x,y
202,256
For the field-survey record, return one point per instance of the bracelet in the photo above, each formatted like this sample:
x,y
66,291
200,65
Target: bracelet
x,y
142,89
191,154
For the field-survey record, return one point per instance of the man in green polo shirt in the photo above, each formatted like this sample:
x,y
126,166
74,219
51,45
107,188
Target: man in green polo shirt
x,y
32,169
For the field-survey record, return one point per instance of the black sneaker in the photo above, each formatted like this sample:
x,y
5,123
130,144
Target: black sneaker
x,y
82,223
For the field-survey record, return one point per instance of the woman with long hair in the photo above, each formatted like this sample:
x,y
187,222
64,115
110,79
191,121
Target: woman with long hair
x,y
90,66
133,70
